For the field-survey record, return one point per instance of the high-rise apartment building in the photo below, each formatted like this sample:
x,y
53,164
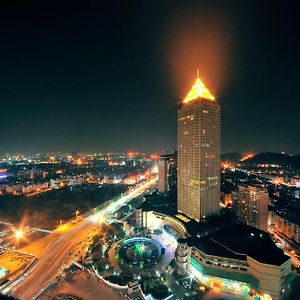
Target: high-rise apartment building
x,y
252,206
167,172
199,140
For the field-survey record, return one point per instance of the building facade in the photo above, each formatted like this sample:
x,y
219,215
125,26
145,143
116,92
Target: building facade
x,y
182,256
199,154
252,206
167,173
245,275
234,258
288,227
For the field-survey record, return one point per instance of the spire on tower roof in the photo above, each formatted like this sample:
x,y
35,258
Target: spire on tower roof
x,y
198,90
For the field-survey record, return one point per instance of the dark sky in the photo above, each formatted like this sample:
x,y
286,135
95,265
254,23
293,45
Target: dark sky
x,y
84,76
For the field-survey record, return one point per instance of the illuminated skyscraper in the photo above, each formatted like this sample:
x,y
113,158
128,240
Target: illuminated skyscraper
x,y
199,140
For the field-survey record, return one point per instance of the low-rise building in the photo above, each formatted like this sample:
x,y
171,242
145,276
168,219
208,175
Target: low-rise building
x,y
76,181
241,259
4,273
33,188
26,188
13,189
233,257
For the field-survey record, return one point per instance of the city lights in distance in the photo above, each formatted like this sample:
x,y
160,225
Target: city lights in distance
x,y
226,165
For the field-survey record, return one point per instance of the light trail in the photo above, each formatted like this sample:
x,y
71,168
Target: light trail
x,y
61,243
114,207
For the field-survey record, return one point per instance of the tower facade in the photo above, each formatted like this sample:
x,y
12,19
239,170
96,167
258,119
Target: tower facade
x,y
199,143
167,172
252,206
182,256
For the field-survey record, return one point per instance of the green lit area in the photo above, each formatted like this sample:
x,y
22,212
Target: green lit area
x,y
138,252
139,248
228,285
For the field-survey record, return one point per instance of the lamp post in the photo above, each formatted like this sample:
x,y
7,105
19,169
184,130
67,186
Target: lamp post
x,y
76,214
19,234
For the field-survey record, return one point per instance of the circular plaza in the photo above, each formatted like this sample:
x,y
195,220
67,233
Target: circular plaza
x,y
138,252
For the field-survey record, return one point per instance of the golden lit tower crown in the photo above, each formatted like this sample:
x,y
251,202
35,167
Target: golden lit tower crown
x,y
198,90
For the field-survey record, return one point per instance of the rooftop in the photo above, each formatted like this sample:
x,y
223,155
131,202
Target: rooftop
x,y
169,156
198,90
224,238
165,204
239,241
293,216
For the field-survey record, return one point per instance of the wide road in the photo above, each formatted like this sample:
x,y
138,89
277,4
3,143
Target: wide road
x,y
60,244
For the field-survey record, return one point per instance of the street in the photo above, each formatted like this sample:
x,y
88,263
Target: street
x,y
55,248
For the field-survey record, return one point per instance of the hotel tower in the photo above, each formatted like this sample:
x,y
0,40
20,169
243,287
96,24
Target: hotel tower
x,y
199,142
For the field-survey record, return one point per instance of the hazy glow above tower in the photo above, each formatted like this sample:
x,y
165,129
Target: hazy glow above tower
x,y
198,90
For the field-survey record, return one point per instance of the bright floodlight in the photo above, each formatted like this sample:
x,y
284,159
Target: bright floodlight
x,y
95,217
19,234
155,170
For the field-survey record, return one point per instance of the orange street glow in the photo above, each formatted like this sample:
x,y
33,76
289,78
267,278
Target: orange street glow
x,y
226,165
154,156
198,90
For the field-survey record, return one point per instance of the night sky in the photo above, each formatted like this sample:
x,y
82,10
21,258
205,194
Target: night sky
x,y
92,77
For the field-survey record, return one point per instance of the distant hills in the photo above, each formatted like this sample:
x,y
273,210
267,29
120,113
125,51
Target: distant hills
x,y
265,158
231,157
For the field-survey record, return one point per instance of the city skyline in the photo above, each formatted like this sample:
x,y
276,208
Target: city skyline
x,y
76,65
149,150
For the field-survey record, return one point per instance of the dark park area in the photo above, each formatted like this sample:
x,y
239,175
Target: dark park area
x,y
48,209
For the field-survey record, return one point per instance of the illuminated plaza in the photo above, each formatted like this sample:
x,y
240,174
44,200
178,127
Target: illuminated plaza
x,y
213,262
139,251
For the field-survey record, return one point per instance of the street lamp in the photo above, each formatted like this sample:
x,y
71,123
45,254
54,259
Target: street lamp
x,y
192,278
19,234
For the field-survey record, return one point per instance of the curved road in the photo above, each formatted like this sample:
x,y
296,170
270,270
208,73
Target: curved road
x,y
53,255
